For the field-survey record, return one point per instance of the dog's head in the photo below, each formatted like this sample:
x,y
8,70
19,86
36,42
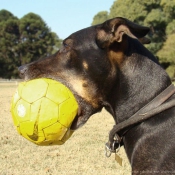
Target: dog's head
x,y
87,63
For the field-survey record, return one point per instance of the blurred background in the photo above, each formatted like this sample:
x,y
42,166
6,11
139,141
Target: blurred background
x,y
32,29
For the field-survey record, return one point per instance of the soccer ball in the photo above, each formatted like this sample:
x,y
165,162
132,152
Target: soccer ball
x,y
43,111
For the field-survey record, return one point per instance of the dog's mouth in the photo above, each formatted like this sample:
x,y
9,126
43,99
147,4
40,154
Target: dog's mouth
x,y
78,120
85,110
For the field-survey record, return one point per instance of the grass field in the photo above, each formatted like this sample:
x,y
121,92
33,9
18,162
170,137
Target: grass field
x,y
82,154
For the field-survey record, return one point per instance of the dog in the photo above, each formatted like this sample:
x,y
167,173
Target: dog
x,y
107,65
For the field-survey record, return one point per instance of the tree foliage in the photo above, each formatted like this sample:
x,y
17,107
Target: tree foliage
x,y
23,40
100,17
9,38
159,15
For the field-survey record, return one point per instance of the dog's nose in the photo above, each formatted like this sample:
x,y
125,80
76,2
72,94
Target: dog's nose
x,y
22,70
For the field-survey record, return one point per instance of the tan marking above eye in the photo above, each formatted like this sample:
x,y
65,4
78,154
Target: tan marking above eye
x,y
85,65
68,42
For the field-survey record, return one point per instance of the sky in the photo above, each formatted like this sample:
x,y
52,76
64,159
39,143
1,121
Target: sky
x,y
62,16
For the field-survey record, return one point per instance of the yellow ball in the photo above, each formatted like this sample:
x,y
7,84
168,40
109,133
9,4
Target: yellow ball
x,y
43,111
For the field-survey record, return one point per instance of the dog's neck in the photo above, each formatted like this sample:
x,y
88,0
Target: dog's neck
x,y
139,80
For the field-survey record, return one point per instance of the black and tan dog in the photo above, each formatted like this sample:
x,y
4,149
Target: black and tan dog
x,y
107,66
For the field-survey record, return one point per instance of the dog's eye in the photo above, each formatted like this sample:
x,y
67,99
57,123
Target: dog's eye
x,y
65,48
65,45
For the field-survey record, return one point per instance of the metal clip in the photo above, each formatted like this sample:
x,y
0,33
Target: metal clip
x,y
113,147
107,151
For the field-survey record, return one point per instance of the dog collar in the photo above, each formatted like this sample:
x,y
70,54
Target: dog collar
x,y
157,105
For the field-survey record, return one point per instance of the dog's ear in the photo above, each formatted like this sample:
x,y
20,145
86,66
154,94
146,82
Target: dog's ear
x,y
113,31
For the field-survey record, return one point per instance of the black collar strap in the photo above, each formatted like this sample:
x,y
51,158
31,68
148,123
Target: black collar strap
x,y
154,107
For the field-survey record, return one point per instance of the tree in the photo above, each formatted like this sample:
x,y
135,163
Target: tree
x,y
133,10
9,38
167,53
5,15
36,39
100,17
23,40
